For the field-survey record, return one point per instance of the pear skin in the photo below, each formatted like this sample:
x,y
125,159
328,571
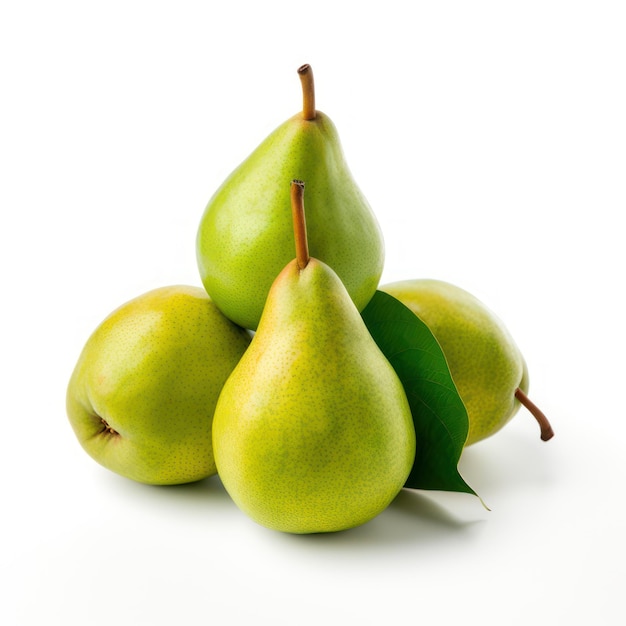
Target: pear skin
x,y
245,236
312,431
142,394
486,364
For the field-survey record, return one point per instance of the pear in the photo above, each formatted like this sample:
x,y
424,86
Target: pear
x,y
142,395
486,365
245,236
312,431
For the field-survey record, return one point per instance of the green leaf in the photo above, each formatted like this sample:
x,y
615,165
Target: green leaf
x,y
439,415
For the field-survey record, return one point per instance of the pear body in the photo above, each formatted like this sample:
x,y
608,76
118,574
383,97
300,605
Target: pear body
x,y
245,237
484,360
312,431
142,395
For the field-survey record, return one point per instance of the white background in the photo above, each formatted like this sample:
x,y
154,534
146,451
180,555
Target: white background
x,y
489,138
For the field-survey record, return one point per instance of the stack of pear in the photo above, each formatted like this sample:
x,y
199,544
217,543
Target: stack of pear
x,y
307,423
312,431
245,235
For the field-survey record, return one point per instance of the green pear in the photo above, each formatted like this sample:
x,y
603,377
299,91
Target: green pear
x,y
486,365
245,235
312,431
142,395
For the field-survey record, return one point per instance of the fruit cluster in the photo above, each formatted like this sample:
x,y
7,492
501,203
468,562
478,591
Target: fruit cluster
x,y
270,375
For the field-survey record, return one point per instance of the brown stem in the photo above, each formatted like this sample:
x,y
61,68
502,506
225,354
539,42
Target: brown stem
x,y
299,223
308,92
546,429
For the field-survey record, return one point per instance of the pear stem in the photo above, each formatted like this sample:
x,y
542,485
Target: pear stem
x,y
299,223
308,92
546,429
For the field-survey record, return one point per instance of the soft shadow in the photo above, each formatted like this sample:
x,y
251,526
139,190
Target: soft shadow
x,y
508,461
197,491
208,493
456,511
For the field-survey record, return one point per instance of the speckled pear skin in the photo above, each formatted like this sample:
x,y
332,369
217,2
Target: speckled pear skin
x,y
153,370
312,432
484,360
245,237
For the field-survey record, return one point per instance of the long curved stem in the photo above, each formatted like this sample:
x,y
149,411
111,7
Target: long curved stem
x,y
308,91
299,223
546,429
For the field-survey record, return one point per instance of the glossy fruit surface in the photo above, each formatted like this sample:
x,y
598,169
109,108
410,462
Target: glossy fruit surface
x,y
245,237
312,431
142,394
484,360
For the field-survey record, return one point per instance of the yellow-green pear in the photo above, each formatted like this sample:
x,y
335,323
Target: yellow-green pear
x,y
312,431
142,395
245,236
486,365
